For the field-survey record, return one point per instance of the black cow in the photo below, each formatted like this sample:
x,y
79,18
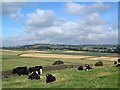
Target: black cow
x,y
20,71
88,67
32,69
80,68
39,69
34,75
50,78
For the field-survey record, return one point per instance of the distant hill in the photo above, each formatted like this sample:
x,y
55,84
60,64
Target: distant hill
x,y
95,48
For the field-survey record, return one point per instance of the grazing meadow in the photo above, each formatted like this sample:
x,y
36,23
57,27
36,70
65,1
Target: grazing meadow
x,y
100,77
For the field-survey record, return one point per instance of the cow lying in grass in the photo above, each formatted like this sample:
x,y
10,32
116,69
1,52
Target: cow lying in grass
x,y
36,68
50,78
88,67
20,71
80,68
34,75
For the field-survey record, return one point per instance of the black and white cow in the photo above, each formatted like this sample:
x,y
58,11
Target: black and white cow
x,y
80,68
39,69
34,75
31,69
20,71
88,67
50,78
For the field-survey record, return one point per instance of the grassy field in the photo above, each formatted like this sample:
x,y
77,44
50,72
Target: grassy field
x,y
99,77
11,58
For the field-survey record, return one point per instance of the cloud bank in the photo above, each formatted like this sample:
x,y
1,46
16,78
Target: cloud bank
x,y
44,26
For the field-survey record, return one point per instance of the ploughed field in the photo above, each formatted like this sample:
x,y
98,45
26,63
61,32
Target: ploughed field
x,y
105,76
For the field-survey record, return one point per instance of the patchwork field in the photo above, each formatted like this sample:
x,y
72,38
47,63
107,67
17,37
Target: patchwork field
x,y
12,58
99,77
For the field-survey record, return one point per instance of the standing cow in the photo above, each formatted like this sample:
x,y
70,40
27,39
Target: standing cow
x,y
31,69
20,71
39,69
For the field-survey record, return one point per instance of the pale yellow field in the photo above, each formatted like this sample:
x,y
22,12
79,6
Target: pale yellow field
x,y
53,56
15,52
105,58
40,55
75,51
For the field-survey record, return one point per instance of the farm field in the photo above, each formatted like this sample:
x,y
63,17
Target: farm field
x,y
99,77
12,58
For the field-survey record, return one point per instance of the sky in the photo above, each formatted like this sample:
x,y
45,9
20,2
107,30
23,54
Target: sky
x,y
75,23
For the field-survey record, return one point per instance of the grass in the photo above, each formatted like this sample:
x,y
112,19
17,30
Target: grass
x,y
10,59
84,53
99,77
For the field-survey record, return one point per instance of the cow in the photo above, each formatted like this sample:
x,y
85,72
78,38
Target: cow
x,y
39,69
20,71
80,68
31,69
34,75
50,78
88,67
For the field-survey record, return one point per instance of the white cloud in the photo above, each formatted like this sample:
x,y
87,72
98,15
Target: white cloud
x,y
10,8
41,18
44,26
75,8
41,26
13,10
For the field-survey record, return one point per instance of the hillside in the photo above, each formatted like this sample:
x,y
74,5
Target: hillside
x,y
93,48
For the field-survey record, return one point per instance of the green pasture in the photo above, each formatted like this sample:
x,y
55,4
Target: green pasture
x,y
99,77
11,60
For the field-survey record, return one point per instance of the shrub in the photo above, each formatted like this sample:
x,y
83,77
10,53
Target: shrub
x,y
115,62
100,63
58,62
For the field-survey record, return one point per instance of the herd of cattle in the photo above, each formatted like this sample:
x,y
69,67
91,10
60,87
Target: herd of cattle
x,y
35,72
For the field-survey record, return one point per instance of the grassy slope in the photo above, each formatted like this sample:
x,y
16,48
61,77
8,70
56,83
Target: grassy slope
x,y
99,77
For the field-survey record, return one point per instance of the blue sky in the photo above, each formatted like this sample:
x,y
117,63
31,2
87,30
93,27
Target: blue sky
x,y
59,22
